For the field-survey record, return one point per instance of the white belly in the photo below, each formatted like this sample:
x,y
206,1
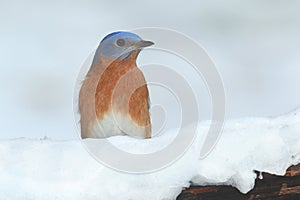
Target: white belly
x,y
117,124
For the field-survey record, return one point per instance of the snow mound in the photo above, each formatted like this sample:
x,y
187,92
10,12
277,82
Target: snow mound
x,y
62,170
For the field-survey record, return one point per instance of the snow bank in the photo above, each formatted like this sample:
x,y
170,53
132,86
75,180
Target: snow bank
x,y
46,169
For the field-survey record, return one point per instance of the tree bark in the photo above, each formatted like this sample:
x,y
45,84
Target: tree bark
x,y
271,187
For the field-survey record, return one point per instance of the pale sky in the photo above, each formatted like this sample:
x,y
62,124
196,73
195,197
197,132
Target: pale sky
x,y
254,43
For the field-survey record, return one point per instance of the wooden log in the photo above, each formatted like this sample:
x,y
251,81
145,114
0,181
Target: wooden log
x,y
271,187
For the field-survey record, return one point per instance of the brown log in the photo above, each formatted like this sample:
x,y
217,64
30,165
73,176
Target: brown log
x,y
271,187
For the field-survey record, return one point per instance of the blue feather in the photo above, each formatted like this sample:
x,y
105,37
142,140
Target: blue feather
x,y
111,34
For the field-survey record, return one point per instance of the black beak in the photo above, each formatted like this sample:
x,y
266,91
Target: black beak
x,y
142,44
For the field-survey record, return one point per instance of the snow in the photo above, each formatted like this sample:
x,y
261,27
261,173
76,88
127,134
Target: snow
x,y
48,169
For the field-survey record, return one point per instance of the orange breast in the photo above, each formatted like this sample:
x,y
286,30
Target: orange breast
x,y
118,85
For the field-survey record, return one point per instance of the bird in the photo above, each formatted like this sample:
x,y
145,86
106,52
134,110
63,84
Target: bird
x,y
114,97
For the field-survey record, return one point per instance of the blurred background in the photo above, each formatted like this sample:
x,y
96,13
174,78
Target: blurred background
x,y
254,43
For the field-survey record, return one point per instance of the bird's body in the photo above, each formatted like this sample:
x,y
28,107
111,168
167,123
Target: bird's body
x,y
114,98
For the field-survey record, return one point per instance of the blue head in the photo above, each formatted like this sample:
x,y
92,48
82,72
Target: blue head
x,y
120,45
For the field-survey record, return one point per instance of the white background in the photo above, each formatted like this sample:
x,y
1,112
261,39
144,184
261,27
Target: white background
x,y
254,43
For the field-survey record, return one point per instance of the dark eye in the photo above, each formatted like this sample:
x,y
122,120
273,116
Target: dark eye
x,y
120,42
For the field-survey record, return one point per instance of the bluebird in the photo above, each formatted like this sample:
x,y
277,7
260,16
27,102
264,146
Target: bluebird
x,y
114,98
